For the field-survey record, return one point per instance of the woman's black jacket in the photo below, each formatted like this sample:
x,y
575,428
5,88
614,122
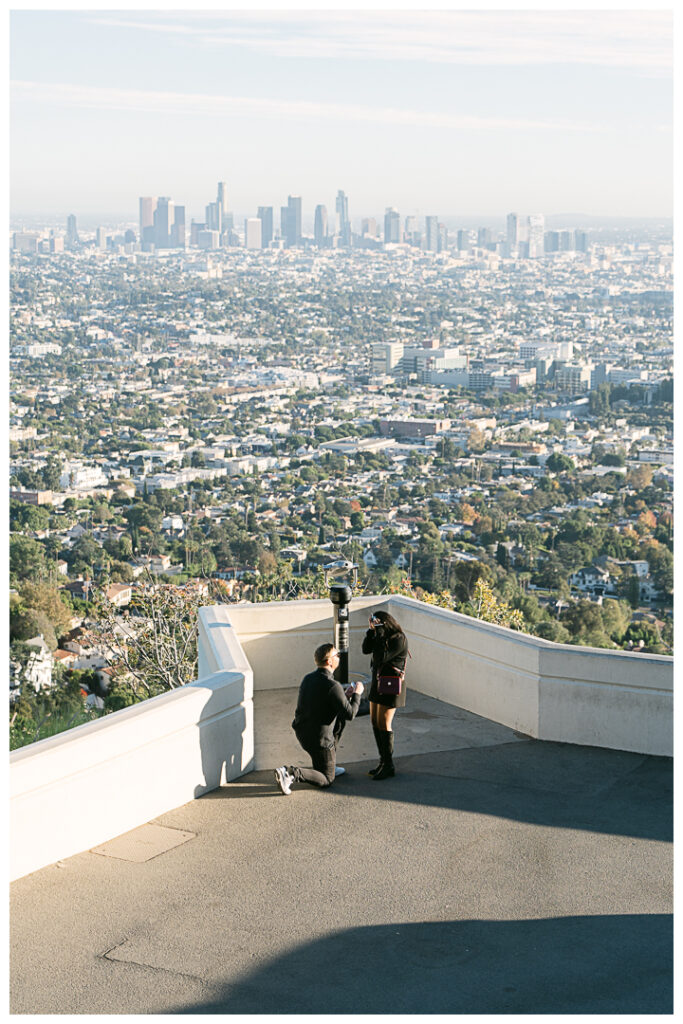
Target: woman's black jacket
x,y
389,650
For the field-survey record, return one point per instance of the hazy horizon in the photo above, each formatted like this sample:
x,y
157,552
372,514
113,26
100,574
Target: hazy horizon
x,y
527,111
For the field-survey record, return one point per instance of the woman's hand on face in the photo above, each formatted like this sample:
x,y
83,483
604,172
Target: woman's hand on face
x,y
372,622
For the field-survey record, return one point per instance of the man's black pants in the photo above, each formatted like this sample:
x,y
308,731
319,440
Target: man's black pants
x,y
324,761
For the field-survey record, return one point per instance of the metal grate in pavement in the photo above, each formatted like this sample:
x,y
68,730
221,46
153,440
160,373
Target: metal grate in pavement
x,y
143,843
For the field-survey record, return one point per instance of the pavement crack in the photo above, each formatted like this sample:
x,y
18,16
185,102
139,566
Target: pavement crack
x,y
105,955
149,967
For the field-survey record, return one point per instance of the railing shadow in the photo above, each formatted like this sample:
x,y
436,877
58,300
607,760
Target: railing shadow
x,y
537,782
580,965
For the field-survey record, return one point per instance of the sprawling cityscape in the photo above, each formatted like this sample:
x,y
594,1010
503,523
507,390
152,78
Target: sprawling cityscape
x,y
341,500
479,418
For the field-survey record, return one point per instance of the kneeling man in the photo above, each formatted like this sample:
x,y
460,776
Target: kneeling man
x,y
322,710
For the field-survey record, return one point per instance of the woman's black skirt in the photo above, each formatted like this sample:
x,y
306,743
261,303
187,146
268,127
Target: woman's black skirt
x,y
387,700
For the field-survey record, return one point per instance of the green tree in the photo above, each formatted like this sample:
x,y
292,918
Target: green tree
x,y
26,557
120,572
37,716
144,523
42,597
559,463
551,574
29,623
642,631
465,576
51,473
486,606
85,554
616,616
617,458
503,556
629,588
203,562
584,621
599,400
28,517
553,630
101,513
661,562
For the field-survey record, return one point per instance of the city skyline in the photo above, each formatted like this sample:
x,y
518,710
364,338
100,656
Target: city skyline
x,y
162,225
450,113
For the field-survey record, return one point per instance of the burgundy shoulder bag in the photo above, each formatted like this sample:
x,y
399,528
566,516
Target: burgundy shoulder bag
x,y
390,685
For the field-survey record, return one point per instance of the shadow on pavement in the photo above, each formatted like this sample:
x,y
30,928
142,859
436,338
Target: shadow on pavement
x,y
605,964
540,783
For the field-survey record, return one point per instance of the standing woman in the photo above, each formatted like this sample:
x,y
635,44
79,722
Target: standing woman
x,y
386,642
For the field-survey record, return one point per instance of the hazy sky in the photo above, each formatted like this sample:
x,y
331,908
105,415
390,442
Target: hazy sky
x,y
442,112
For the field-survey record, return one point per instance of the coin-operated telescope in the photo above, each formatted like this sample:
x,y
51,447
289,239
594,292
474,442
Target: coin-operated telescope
x,y
345,576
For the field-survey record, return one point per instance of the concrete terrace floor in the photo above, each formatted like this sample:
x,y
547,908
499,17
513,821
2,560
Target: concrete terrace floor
x,y
494,874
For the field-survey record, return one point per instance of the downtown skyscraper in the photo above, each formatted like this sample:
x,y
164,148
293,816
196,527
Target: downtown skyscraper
x,y
392,225
290,221
265,215
513,230
147,207
253,238
222,199
162,223
536,223
343,222
432,234
71,230
320,226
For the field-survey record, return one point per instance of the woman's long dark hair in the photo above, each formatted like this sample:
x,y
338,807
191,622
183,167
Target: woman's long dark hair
x,y
389,622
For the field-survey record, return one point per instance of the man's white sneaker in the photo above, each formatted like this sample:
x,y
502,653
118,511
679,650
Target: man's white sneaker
x,y
339,771
284,780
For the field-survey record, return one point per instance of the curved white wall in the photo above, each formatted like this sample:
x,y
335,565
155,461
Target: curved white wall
x,y
583,695
78,789
549,691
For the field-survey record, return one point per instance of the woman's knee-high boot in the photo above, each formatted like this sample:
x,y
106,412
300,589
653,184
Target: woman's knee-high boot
x,y
387,769
377,734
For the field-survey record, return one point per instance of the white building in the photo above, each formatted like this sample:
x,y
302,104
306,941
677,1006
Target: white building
x,y
252,233
38,669
657,456
37,349
78,477
386,357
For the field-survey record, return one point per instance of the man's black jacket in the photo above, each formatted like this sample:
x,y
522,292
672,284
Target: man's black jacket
x,y
322,702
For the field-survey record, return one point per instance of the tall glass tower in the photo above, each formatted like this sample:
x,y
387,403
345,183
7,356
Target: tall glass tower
x,y
163,222
148,205
71,230
536,224
513,230
222,199
432,234
392,225
320,226
293,220
342,208
265,215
